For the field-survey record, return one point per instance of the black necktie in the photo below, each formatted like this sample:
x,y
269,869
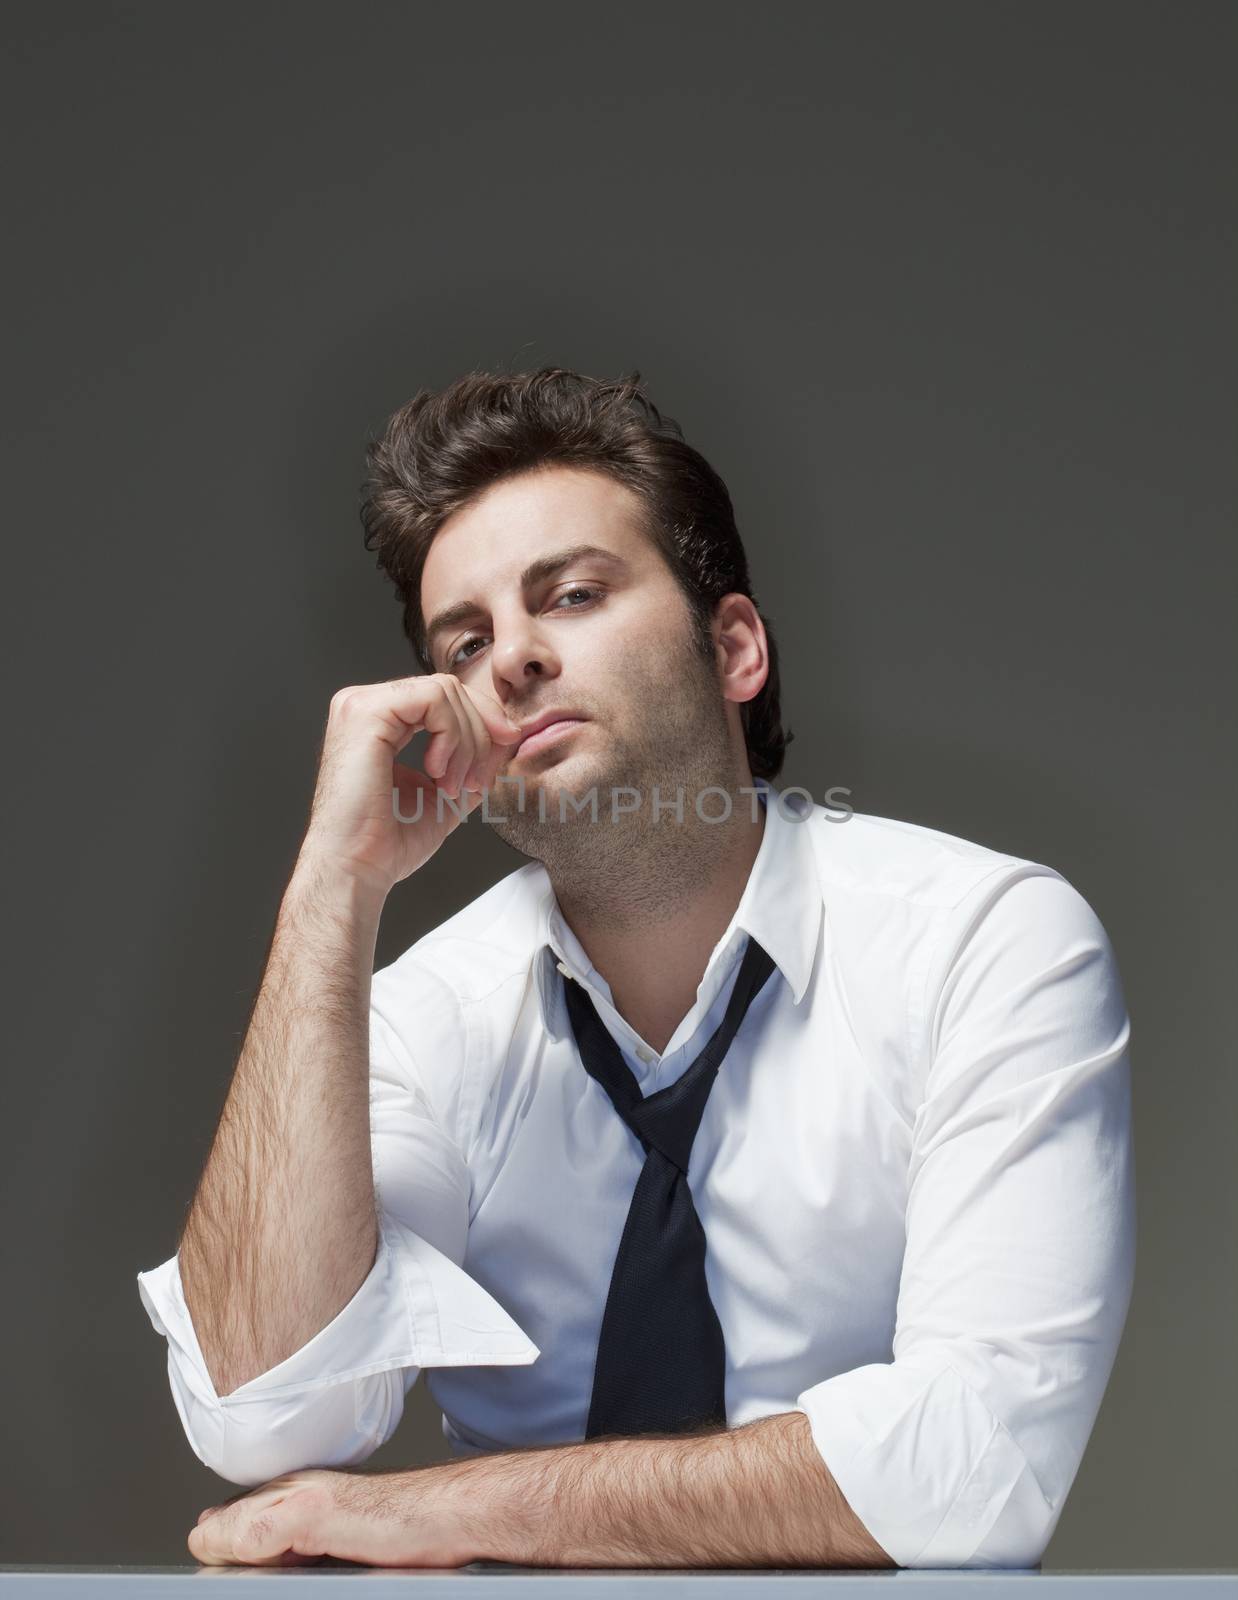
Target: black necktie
x,y
661,1361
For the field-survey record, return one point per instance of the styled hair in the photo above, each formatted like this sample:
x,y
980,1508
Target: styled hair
x,y
441,451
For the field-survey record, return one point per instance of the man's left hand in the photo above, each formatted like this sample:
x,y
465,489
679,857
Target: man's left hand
x,y
392,1519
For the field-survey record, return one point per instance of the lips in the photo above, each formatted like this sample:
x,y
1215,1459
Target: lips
x,y
545,729
561,714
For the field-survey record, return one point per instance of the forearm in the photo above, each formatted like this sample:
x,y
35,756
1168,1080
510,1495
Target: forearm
x,y
756,1496
282,1231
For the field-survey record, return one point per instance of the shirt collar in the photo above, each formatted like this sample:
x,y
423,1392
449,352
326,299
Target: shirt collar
x,y
781,908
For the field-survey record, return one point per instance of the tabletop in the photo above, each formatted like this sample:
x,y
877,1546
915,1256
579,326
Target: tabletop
x,y
492,1580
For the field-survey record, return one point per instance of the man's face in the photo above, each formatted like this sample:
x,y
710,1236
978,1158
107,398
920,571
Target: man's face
x,y
606,635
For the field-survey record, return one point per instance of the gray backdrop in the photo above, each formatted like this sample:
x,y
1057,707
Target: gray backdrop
x,y
943,291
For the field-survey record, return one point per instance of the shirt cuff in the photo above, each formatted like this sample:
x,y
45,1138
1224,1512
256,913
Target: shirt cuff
x,y
925,1465
416,1308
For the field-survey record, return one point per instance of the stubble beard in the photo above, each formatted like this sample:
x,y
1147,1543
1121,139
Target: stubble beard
x,y
636,868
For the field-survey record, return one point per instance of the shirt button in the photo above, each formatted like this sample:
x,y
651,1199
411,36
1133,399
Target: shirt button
x,y
644,1055
563,969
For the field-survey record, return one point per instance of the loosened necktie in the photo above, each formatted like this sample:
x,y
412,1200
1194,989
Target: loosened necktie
x,y
661,1360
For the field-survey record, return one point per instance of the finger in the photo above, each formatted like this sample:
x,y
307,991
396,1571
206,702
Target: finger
x,y
245,1494
491,765
476,777
262,1537
503,736
209,1542
213,1540
503,729
407,705
252,1538
409,783
443,723
467,749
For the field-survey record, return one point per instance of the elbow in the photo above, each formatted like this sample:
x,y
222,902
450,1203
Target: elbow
x,y
250,1456
1018,1536
253,1440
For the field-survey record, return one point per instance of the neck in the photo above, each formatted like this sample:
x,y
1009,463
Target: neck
x,y
650,917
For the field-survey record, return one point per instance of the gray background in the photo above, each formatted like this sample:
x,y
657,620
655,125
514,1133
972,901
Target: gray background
x,y
943,290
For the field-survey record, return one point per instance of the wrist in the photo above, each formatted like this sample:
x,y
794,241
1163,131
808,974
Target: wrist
x,y
322,881
474,1509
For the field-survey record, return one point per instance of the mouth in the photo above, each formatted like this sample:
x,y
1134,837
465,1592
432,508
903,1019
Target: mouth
x,y
548,733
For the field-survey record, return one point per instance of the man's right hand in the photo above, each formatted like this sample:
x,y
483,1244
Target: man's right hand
x,y
353,826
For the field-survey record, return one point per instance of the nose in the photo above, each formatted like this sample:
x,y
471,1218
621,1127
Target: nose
x,y
520,652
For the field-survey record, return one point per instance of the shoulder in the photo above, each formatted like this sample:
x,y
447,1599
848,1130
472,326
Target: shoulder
x,y
922,922
901,901
892,889
882,870
888,874
886,859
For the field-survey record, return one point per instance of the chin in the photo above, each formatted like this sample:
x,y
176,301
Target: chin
x,y
570,774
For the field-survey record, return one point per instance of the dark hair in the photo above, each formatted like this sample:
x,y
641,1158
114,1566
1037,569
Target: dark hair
x,y
441,451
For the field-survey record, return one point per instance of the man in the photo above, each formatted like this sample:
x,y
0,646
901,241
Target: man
x,y
753,1182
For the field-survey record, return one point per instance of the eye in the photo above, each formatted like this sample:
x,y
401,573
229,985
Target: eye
x,y
577,588
459,658
459,655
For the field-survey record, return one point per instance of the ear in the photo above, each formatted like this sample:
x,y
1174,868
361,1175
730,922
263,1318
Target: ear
x,y
740,648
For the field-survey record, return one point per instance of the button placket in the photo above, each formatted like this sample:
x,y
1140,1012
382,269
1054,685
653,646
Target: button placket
x,y
645,1056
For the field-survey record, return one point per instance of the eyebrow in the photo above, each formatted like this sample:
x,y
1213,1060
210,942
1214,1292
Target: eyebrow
x,y
544,567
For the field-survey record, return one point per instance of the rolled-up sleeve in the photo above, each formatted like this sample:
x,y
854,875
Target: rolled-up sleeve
x,y
334,1401
1020,1241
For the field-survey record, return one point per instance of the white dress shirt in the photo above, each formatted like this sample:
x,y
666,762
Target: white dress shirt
x,y
914,1173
